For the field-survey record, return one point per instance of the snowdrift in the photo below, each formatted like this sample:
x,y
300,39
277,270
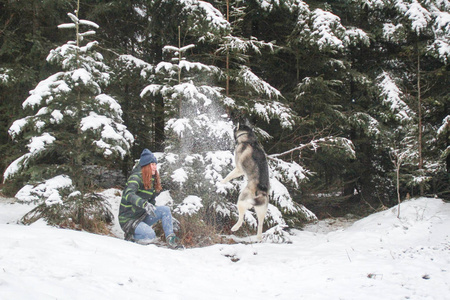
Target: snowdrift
x,y
378,257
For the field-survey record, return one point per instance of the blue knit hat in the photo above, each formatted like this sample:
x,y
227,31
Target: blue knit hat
x,y
147,157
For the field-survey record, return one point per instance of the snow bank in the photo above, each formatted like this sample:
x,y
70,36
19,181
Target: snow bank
x,y
379,257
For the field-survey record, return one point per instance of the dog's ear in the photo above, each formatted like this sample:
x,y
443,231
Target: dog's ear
x,y
242,123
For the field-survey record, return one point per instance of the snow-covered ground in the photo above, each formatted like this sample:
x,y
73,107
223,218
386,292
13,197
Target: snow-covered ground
x,y
378,257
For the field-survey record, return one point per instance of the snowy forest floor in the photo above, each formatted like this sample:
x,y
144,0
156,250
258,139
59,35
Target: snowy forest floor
x,y
377,257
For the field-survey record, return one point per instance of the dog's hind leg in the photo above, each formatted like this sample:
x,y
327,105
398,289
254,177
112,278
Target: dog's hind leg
x,y
233,174
261,214
243,206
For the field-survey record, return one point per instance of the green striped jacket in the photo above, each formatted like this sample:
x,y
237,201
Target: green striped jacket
x,y
134,198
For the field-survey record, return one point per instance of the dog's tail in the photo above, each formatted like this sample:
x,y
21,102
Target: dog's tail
x,y
262,188
261,198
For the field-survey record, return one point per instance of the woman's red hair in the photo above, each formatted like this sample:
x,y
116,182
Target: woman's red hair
x,y
147,178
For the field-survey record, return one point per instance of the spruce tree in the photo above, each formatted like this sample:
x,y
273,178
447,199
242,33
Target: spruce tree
x,y
72,129
413,39
26,36
329,96
197,132
199,138
249,97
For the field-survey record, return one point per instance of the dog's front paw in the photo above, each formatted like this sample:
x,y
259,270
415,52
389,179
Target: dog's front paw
x,y
235,227
224,181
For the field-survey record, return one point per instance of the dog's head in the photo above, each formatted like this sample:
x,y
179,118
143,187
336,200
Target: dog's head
x,y
244,133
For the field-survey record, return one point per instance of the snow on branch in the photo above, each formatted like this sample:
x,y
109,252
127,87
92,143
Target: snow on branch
x,y
48,190
285,171
441,49
443,131
418,16
114,136
441,27
392,98
111,104
274,109
339,142
16,166
73,18
151,89
325,31
90,32
214,128
366,122
277,235
326,27
179,126
89,23
445,127
16,127
354,36
187,65
442,23
249,79
49,87
77,21
280,195
241,45
36,145
405,151
177,50
216,162
275,215
67,25
5,75
392,32
190,205
205,12
373,4
166,67
291,5
129,62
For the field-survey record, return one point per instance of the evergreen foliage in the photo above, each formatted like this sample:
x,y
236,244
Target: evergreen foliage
x,y
72,125
336,91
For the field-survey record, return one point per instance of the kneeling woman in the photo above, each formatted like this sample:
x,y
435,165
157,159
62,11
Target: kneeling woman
x,y
137,211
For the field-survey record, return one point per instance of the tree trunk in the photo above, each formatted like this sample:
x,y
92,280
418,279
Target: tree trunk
x,y
227,88
159,122
419,103
397,165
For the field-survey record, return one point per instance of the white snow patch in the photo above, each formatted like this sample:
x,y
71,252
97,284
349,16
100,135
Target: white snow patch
x,y
379,257
47,190
190,205
179,175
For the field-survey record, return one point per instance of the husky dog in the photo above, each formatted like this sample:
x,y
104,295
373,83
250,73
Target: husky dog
x,y
251,162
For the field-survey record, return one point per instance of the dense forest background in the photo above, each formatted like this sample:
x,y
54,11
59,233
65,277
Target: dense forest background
x,y
372,73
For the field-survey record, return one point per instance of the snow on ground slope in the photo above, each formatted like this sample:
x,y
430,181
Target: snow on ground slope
x,y
378,257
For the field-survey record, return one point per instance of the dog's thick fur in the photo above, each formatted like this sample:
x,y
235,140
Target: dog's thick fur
x,y
251,162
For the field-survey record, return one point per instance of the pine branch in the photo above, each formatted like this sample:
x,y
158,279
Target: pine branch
x,y
327,141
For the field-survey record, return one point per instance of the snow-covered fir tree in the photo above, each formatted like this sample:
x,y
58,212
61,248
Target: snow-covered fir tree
x,y
419,29
317,96
199,134
254,98
200,140
338,84
197,131
73,129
